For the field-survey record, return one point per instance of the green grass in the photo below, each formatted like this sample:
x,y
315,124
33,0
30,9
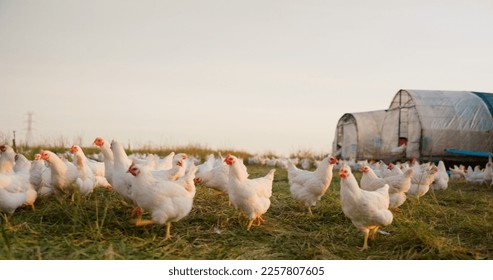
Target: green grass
x,y
453,224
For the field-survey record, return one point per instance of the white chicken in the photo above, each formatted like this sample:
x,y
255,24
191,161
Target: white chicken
x,y
421,180
257,160
387,170
251,196
217,177
148,160
15,188
166,162
63,174
394,170
168,201
108,159
122,180
383,170
21,163
306,163
488,172
398,185
96,167
40,177
309,187
457,172
368,210
208,164
369,179
441,178
475,176
7,159
399,150
87,178
177,171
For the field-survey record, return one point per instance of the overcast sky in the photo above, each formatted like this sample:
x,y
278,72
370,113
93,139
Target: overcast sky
x,y
252,75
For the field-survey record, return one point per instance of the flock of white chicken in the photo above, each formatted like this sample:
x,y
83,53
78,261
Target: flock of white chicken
x,y
165,187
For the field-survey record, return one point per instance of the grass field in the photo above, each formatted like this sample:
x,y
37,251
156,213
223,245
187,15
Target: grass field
x,y
453,224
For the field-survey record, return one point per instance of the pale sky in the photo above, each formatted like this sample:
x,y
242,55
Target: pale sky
x,y
258,76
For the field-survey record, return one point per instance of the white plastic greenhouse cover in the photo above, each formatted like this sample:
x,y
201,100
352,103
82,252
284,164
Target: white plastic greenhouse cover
x,y
358,134
432,121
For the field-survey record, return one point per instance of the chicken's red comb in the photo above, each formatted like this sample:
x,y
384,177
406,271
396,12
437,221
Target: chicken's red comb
x,y
343,173
228,158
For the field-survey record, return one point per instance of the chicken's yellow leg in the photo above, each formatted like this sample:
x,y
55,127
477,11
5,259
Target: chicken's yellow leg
x,y
250,224
365,244
373,233
168,231
260,220
310,211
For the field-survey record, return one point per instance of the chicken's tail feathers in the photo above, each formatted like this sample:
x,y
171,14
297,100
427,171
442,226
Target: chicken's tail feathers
x,y
388,218
270,175
291,165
